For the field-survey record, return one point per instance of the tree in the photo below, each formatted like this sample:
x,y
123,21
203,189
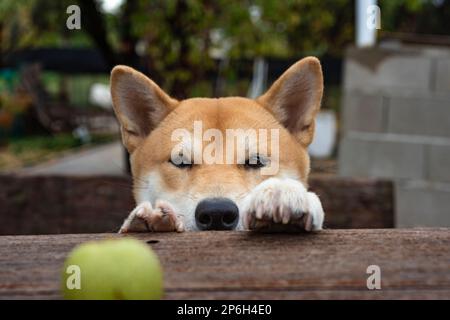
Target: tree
x,y
171,40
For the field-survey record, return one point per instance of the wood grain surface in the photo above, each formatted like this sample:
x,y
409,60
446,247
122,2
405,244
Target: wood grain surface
x,y
415,264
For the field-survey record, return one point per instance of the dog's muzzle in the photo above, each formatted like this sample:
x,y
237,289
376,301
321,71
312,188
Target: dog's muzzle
x,y
216,214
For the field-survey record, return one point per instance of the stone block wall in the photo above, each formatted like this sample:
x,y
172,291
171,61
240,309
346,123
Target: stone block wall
x,y
396,125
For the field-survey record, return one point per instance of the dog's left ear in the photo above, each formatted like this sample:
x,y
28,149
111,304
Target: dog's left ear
x,y
294,99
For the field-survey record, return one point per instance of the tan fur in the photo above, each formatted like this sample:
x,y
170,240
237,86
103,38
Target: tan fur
x,y
148,104
148,116
295,98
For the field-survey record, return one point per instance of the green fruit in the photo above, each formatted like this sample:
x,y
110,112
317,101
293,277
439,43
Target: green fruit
x,y
112,269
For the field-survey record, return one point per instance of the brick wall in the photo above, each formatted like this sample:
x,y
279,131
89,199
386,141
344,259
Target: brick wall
x,y
396,125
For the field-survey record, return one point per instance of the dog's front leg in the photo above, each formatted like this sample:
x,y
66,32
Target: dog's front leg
x,y
282,205
144,218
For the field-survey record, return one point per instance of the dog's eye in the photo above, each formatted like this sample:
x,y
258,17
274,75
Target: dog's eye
x,y
180,164
255,162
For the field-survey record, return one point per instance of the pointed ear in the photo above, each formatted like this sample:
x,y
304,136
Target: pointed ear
x,y
140,105
294,99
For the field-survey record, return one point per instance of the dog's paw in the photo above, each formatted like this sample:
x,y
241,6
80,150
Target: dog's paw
x,y
145,218
282,205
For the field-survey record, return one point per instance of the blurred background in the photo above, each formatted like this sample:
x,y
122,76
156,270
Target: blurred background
x,y
381,155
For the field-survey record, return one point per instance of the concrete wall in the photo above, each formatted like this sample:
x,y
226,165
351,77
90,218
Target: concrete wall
x,y
396,125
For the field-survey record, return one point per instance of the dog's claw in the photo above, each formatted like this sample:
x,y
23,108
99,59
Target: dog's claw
x,y
123,230
283,205
145,218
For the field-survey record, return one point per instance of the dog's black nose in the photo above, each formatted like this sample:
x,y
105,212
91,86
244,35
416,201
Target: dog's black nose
x,y
216,214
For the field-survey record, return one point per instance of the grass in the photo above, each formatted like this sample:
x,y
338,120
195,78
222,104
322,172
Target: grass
x,y
27,151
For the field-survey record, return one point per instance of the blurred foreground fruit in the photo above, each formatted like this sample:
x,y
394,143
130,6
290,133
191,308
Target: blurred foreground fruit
x,y
112,269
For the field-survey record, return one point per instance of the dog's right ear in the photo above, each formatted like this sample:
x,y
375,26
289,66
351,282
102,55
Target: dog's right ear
x,y
140,105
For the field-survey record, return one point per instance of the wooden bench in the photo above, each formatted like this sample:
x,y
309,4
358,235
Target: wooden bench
x,y
415,263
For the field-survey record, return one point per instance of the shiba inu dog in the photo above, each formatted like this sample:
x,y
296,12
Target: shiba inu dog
x,y
176,191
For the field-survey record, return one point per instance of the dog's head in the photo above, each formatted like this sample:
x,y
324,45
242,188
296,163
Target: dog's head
x,y
205,155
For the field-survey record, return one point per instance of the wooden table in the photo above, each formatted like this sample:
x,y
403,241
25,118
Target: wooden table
x,y
415,263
